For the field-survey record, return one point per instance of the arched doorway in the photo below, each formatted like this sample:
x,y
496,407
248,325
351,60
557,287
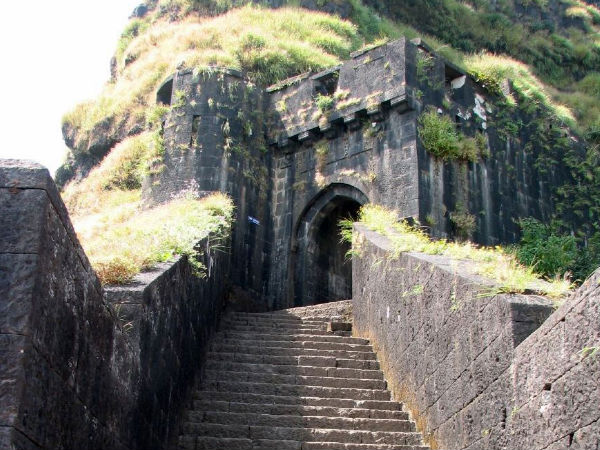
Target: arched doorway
x,y
321,271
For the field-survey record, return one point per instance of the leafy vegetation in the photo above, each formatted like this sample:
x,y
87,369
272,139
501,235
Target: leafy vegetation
x,y
554,253
558,49
441,138
495,263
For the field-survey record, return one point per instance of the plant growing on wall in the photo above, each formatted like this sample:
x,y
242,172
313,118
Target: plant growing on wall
x,y
324,102
464,224
440,137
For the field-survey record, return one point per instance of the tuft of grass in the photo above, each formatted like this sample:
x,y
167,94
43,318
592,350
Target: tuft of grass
x,y
117,180
495,263
492,71
148,237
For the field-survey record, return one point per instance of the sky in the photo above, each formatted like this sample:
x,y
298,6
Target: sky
x,y
54,55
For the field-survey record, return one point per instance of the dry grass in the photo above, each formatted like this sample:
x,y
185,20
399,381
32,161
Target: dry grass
x,y
123,241
268,45
120,238
494,263
492,70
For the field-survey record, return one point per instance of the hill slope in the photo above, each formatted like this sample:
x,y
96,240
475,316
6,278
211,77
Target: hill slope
x,y
548,49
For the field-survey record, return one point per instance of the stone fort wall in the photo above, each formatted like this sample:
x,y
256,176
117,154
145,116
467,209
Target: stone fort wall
x,y
324,143
75,371
473,366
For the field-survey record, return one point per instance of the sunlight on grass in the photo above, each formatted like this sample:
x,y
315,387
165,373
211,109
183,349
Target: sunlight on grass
x,y
492,70
123,241
494,263
267,45
114,182
120,238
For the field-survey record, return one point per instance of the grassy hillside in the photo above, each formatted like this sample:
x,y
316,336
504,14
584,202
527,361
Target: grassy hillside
x,y
548,49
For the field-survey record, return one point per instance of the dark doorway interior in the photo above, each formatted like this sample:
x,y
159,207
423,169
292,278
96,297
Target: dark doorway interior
x,y
325,274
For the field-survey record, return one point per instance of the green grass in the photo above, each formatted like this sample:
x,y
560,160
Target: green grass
x,y
495,263
493,70
267,45
106,208
148,237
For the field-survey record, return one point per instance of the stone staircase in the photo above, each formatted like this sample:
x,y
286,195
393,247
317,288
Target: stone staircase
x,y
280,382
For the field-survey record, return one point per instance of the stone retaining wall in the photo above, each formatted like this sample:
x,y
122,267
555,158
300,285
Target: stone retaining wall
x,y
74,373
465,361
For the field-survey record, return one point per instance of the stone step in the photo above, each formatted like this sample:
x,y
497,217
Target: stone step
x,y
209,443
226,334
340,446
275,320
315,361
295,421
300,380
279,351
277,315
294,390
276,324
298,410
266,399
232,366
345,346
301,434
270,330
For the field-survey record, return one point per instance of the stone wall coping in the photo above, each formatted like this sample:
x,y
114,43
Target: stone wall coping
x,y
27,174
458,268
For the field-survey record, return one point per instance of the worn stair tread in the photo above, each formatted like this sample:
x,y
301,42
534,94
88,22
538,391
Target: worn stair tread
x,y
282,351
340,372
311,344
302,434
270,330
227,334
299,380
296,421
295,360
245,397
276,324
299,410
208,443
292,389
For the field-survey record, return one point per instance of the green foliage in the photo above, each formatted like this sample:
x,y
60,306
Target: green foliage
x,y
541,246
494,263
324,102
464,224
441,138
438,134
152,236
425,63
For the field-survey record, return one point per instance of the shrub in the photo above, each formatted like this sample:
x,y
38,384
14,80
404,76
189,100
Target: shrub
x,y
543,247
324,102
438,134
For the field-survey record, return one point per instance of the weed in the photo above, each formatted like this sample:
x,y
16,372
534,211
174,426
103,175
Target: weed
x,y
324,102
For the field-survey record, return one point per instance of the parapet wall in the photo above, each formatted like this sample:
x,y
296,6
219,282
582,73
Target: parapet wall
x,y
469,364
74,373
